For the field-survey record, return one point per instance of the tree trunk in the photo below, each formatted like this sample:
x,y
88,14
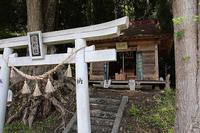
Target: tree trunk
x,y
41,16
34,15
186,64
198,60
49,14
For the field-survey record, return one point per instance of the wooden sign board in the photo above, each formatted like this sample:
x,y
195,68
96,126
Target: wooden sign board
x,y
36,48
121,45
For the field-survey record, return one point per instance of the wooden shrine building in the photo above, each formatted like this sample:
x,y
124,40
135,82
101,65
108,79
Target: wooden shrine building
x,y
139,49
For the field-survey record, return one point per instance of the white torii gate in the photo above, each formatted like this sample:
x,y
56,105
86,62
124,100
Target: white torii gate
x,y
81,58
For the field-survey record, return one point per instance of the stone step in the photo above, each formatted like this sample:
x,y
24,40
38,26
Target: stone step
x,y
102,122
95,129
102,114
108,108
105,101
101,129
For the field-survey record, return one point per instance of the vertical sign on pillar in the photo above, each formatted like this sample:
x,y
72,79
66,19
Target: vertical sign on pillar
x,y
139,66
4,84
82,92
36,48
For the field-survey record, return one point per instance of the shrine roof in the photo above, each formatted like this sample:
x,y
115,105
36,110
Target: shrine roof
x,y
138,29
142,28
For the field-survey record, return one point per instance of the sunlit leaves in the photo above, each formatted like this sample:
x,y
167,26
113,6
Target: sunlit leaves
x,y
178,20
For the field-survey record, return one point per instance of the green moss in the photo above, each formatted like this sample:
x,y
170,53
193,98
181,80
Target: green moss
x,y
161,116
180,34
186,58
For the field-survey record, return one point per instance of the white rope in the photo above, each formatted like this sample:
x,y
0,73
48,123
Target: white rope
x,y
46,74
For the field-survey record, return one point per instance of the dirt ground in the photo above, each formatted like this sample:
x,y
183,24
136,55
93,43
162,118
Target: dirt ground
x,y
129,123
142,98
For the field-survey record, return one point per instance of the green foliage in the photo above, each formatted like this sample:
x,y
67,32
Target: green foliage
x,y
164,112
42,126
16,127
161,116
12,15
178,20
76,13
134,110
163,13
180,34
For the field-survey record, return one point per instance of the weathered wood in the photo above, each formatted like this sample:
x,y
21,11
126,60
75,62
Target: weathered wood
x,y
168,82
113,86
156,63
102,122
139,66
70,124
147,46
137,82
104,101
95,129
111,108
149,64
119,115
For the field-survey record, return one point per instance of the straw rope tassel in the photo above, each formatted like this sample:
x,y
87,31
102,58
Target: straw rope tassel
x,y
49,87
68,73
37,91
25,88
12,73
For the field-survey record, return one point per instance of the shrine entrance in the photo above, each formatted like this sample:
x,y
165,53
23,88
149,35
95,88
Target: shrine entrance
x,y
125,66
80,55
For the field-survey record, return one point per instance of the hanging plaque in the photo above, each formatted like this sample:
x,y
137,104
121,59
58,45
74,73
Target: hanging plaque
x,y
35,45
121,45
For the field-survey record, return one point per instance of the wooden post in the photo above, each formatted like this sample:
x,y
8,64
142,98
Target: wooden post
x,y
139,66
82,92
4,84
156,63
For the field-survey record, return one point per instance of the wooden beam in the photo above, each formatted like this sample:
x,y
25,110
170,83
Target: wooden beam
x,y
48,60
94,32
90,56
101,55
156,63
70,124
119,115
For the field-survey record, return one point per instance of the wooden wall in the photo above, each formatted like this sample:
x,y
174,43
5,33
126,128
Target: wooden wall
x,y
150,61
149,50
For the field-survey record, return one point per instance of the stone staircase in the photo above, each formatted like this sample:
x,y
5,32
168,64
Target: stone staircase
x,y
105,115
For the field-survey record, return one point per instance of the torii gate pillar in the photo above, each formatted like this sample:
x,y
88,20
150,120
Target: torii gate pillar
x,y
82,92
4,85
